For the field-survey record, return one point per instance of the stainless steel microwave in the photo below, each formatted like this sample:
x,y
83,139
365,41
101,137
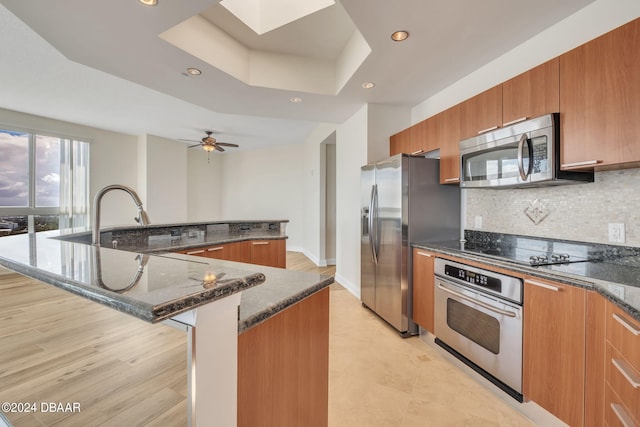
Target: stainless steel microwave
x,y
523,154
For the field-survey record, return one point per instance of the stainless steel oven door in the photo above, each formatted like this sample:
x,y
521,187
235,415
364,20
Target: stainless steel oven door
x,y
484,329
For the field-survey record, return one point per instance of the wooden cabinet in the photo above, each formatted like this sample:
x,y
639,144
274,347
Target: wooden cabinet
x,y
417,139
599,101
400,143
532,94
423,289
227,251
594,360
481,113
622,368
283,367
269,252
449,137
554,348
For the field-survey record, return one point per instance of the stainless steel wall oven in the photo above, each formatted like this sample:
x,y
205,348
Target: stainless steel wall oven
x,y
478,318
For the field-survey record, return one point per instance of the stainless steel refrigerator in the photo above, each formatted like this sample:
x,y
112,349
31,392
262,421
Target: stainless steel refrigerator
x,y
402,202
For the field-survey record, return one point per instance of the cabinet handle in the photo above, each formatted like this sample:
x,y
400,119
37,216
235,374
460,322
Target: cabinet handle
x,y
259,243
452,179
624,370
576,164
626,324
424,254
543,285
513,122
200,251
415,153
219,248
488,129
622,415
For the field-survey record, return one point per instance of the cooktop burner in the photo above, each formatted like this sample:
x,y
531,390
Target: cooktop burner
x,y
529,256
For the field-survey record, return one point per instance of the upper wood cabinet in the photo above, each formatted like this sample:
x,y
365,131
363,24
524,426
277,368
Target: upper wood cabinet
x,y
481,113
600,101
554,348
423,289
448,134
419,138
532,94
400,143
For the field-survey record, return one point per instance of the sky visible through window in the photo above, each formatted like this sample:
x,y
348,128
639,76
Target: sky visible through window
x,y
14,170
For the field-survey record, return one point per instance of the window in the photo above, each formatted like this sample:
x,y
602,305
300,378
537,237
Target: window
x,y
43,182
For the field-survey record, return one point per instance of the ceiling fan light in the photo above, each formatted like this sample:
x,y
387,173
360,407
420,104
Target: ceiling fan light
x,y
208,148
149,2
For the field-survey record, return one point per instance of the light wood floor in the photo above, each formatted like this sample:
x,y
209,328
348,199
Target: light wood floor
x,y
57,347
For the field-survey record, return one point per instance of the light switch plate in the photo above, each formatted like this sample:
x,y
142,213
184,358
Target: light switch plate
x,y
478,222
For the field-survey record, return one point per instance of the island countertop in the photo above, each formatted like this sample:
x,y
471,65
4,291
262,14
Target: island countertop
x,y
151,283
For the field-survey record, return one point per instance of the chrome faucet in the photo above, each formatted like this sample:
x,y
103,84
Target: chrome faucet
x,y
142,218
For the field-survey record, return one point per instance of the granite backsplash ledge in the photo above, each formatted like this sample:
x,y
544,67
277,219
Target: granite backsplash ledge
x,y
167,235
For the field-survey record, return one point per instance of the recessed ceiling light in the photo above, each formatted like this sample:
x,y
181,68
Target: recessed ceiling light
x,y
149,2
193,71
368,85
399,36
296,100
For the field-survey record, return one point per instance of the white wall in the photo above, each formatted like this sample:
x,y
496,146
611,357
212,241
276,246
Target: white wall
x,y
266,184
204,186
166,179
384,121
351,154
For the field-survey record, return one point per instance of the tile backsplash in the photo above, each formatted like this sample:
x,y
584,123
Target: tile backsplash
x,y
572,212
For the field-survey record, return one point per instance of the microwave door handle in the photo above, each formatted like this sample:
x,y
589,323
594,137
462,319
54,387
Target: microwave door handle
x,y
523,139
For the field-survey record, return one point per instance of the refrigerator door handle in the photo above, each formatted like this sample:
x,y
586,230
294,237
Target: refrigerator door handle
x,y
372,230
376,223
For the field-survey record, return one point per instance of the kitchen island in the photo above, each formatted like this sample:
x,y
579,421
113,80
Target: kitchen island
x,y
156,285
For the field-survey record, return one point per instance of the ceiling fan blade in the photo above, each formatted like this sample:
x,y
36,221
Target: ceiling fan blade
x,y
194,146
219,148
188,140
226,144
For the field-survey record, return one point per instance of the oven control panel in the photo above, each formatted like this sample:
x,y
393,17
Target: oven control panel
x,y
474,278
486,280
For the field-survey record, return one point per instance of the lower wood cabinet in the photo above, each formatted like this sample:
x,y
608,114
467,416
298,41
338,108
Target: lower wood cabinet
x,y
594,360
269,252
423,289
283,367
622,368
554,348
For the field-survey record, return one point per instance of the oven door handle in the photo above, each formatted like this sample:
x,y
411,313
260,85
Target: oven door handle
x,y
480,303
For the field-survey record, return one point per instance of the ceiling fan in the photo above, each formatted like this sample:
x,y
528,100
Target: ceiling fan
x,y
209,143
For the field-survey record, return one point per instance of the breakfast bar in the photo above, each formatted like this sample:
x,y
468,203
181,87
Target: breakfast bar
x,y
215,302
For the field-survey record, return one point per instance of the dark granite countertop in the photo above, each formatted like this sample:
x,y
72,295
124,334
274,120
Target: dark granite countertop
x,y
151,284
615,274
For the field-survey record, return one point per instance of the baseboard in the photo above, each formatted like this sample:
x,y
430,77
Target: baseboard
x,y
331,261
355,290
314,259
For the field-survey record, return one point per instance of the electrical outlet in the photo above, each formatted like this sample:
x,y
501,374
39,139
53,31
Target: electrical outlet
x,y
478,222
616,232
617,291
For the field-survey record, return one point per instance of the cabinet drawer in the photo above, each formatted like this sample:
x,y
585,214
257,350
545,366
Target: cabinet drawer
x,y
615,414
624,381
623,333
